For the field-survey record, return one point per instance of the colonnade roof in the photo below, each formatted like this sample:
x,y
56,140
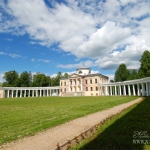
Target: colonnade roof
x,y
129,82
30,88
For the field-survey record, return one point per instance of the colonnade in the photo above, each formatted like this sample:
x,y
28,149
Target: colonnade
x,y
10,92
133,87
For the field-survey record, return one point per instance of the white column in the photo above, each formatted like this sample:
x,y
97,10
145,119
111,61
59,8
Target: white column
x,y
111,90
69,85
133,90
21,93
36,93
24,93
129,92
147,89
12,93
29,93
138,89
40,92
16,93
115,91
8,94
44,92
143,90
81,84
32,93
124,87
120,89
106,90
47,92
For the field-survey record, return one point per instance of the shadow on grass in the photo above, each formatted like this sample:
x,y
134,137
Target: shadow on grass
x,y
120,134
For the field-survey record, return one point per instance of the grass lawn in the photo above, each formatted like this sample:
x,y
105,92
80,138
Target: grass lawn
x,y
21,117
119,132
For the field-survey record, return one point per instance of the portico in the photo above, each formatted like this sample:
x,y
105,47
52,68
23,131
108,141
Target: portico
x,y
132,87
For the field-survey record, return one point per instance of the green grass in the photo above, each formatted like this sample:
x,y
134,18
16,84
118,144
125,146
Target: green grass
x,y
21,117
117,133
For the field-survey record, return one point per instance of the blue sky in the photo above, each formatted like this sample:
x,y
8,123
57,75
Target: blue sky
x,y
49,36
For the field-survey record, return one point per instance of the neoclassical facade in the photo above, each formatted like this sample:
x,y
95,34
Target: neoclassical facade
x,y
82,83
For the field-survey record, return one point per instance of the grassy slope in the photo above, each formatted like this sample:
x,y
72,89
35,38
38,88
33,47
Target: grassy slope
x,y
117,133
25,116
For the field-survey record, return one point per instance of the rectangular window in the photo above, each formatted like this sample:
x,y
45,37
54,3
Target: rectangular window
x,y
86,81
96,88
95,80
86,88
91,88
91,81
65,83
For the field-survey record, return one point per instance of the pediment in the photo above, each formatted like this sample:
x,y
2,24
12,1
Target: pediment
x,y
74,75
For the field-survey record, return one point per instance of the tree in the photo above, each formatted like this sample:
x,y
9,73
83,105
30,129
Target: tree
x,y
40,80
122,73
25,79
133,74
144,70
12,78
65,75
56,80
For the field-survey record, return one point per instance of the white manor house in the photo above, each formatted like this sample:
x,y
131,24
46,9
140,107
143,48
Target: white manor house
x,y
82,83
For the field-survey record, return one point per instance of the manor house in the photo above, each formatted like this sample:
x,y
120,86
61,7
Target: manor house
x,y
82,83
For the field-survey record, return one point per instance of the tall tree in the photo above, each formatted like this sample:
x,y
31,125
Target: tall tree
x,y
122,73
11,78
40,80
56,80
25,79
144,70
65,75
133,74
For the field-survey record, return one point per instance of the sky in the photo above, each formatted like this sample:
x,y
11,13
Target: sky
x,y
49,36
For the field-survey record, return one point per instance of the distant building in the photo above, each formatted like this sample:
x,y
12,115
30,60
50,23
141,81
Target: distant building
x,y
82,83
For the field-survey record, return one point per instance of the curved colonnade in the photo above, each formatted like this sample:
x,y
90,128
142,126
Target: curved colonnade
x,y
132,87
10,92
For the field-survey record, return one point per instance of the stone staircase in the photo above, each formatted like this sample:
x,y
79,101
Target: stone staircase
x,y
71,94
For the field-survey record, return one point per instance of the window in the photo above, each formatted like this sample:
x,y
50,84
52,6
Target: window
x,y
86,88
65,83
96,88
91,88
91,81
80,72
86,81
65,90
95,80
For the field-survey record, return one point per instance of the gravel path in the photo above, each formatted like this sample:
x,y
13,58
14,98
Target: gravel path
x,y
48,139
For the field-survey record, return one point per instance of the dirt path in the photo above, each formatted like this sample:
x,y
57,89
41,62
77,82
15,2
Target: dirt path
x,y
48,140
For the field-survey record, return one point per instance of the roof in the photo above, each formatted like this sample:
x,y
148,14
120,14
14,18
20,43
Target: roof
x,y
83,69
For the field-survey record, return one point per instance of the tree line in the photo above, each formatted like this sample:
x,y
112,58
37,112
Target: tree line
x,y
26,79
124,74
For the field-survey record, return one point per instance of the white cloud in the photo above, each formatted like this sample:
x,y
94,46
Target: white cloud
x,y
113,32
103,40
1,77
82,64
11,55
40,60
43,60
